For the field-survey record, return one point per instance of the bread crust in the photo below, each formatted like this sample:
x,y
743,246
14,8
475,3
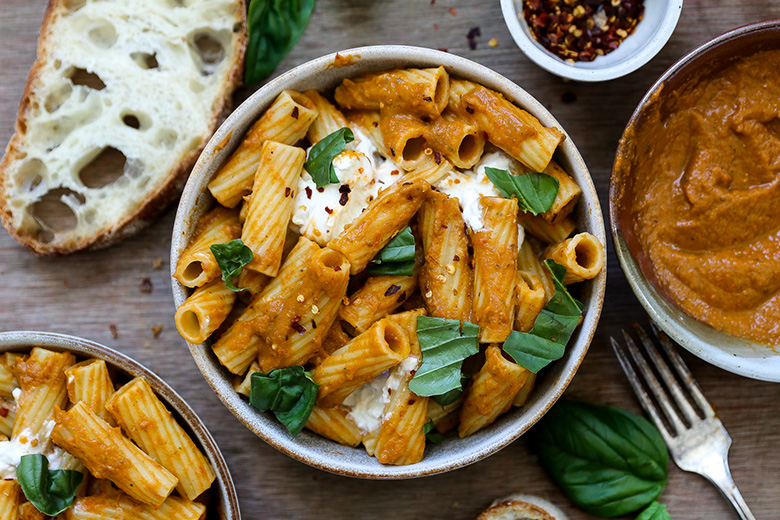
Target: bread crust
x,y
162,196
514,510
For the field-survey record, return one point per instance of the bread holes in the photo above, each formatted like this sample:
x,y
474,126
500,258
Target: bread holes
x,y
79,76
53,213
30,174
74,5
102,34
209,50
103,169
57,97
131,121
145,60
136,120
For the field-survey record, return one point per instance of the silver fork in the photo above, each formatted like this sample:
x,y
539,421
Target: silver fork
x,y
695,436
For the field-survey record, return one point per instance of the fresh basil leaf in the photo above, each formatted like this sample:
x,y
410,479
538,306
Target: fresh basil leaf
x,y
655,511
532,352
606,460
320,161
289,393
429,429
562,302
231,258
274,27
535,192
444,344
397,257
51,492
453,395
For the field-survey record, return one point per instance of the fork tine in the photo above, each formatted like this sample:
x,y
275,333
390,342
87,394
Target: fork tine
x,y
666,374
682,371
644,399
655,387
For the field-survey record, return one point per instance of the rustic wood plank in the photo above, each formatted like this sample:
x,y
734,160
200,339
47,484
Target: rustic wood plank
x,y
86,293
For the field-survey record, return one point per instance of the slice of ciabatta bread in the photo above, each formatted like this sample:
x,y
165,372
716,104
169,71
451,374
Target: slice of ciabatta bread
x,y
120,102
522,507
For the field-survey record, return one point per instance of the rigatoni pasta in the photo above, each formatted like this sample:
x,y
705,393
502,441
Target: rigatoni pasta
x,y
401,217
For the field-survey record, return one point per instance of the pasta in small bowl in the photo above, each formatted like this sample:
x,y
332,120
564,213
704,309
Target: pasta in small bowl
x,y
87,433
376,248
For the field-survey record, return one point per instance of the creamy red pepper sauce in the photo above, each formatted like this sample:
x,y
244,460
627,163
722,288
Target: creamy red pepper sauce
x,y
705,205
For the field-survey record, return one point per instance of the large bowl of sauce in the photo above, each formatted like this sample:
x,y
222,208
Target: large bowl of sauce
x,y
695,201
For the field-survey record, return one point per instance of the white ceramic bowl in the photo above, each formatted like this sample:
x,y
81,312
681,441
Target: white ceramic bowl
x,y
649,37
728,352
223,490
323,73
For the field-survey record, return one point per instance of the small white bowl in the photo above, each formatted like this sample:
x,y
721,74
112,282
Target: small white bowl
x,y
326,73
649,37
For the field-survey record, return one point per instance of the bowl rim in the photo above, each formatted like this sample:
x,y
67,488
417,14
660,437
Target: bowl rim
x,y
375,57
693,335
27,339
546,60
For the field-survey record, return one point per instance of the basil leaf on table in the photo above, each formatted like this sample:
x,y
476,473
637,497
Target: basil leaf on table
x,y
606,460
289,393
535,192
273,27
397,257
231,258
429,429
546,341
51,492
654,511
444,344
320,161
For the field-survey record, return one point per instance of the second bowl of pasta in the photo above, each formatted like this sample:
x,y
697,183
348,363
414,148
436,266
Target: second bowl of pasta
x,y
377,248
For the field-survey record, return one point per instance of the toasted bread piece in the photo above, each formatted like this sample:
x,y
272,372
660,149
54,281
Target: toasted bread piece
x,y
120,102
522,507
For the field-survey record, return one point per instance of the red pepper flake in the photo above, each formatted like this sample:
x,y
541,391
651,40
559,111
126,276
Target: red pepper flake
x,y
437,157
294,113
145,286
395,172
392,290
402,297
413,372
320,190
485,136
114,331
443,49
435,27
433,2
344,190
4,412
406,184
453,12
296,319
375,124
313,324
297,327
456,258
469,110
411,401
328,210
392,151
337,268
287,191
471,37
582,30
308,192
427,99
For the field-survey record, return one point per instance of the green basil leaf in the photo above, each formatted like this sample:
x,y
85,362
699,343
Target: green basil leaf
x,y
231,258
51,492
453,395
429,429
444,344
289,393
397,257
320,161
274,27
606,460
535,192
654,511
553,328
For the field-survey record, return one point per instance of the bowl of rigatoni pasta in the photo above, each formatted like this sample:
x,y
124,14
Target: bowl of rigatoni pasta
x,y
389,262
86,432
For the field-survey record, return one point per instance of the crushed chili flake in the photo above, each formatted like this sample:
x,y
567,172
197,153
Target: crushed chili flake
x,y
296,319
427,99
4,412
313,324
320,190
344,190
392,151
297,327
157,329
308,192
337,268
411,401
328,210
456,258
402,297
443,49
453,12
435,27
413,372
471,37
437,157
392,290
287,191
145,286
375,124
582,30
114,331
294,113
395,172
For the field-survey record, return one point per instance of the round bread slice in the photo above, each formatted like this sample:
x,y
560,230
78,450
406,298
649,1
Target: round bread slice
x,y
120,102
522,507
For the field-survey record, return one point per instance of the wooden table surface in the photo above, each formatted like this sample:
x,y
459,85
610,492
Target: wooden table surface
x,y
88,294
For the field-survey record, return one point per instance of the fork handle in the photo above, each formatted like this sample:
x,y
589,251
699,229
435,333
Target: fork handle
x,y
720,475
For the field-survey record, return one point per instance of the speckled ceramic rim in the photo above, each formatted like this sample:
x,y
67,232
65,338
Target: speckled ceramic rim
x,y
312,449
24,340
730,353
591,72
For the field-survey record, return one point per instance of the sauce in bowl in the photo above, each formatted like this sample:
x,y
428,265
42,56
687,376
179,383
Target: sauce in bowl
x,y
702,194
